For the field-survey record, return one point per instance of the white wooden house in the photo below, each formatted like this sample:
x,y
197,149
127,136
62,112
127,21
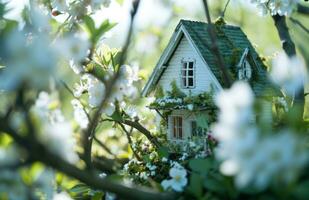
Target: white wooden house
x,y
191,65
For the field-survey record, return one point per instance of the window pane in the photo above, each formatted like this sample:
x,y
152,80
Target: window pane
x,y
174,127
190,72
179,123
190,65
184,82
193,128
190,81
183,72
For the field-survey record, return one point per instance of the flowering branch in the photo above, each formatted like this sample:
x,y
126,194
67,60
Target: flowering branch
x,y
38,152
214,47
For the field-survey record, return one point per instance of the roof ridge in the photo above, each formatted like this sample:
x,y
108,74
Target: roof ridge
x,y
201,22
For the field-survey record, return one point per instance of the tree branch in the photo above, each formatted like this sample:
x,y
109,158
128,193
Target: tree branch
x,y
104,146
285,37
303,9
297,22
214,47
289,48
130,141
38,152
144,131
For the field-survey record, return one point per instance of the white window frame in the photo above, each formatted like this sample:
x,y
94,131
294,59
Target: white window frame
x,y
187,62
245,71
176,127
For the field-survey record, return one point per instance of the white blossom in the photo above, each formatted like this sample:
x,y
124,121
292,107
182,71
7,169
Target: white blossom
x,y
178,179
55,131
73,48
80,114
30,61
289,73
60,135
243,150
60,5
62,196
280,7
96,91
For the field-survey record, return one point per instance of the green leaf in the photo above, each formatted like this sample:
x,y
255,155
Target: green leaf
x,y
196,185
301,191
163,152
97,196
103,28
90,25
214,185
120,1
117,116
201,165
80,189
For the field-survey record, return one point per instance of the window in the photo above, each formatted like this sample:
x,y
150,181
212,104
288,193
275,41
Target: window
x,y
177,127
196,130
187,74
245,72
193,128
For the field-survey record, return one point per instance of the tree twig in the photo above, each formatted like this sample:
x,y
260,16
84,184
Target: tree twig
x,y
303,9
214,47
104,146
144,131
297,22
225,8
130,141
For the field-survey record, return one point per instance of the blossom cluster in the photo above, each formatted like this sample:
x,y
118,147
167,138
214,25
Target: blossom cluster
x,y
178,179
280,7
289,73
96,90
77,8
244,150
55,129
32,56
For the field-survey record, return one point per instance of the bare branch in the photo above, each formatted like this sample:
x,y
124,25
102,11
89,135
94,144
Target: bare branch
x,y
130,141
285,37
297,22
144,131
104,146
303,9
214,47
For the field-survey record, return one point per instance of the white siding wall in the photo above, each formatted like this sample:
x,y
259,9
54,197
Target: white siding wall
x,y
202,74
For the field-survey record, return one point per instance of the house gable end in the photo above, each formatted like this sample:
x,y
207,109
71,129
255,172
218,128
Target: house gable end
x,y
181,37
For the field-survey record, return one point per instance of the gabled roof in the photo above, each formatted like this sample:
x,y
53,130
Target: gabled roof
x,y
232,43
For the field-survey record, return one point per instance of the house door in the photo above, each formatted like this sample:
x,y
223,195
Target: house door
x,y
177,127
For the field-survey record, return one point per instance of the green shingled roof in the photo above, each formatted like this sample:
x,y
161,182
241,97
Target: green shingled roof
x,y
232,42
